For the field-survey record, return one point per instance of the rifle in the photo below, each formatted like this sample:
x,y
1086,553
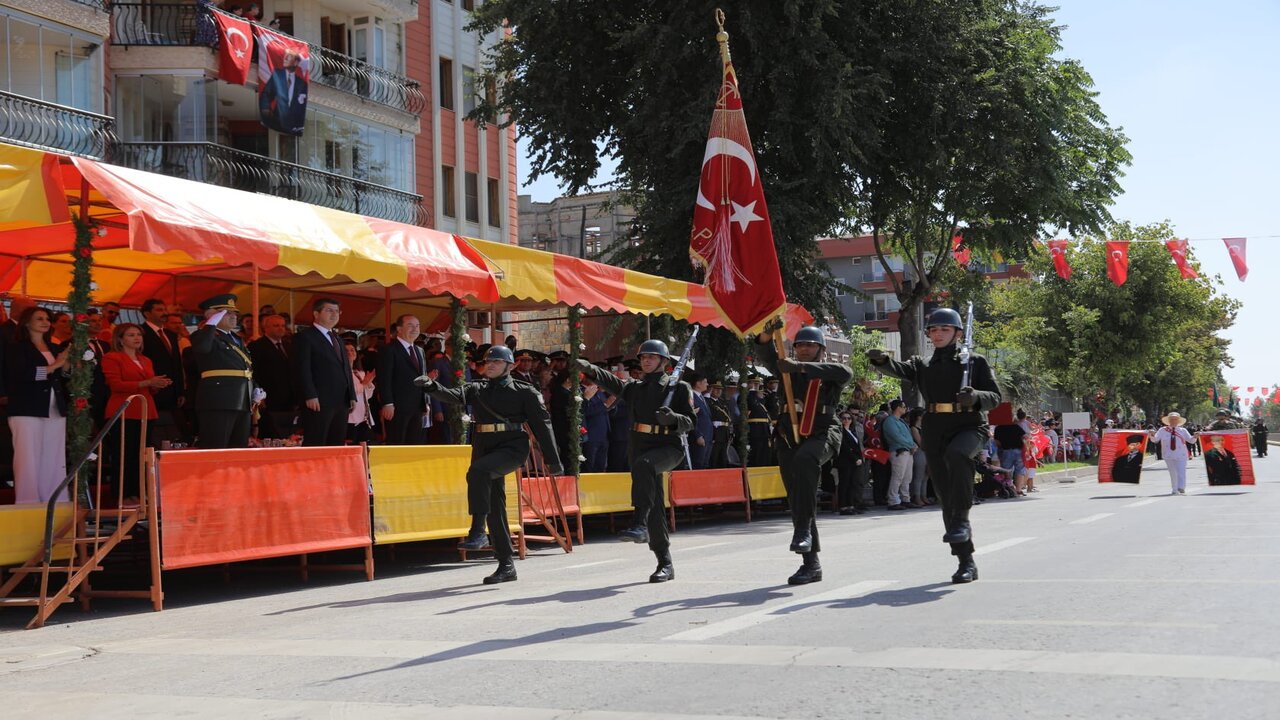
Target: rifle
x,y
966,350
675,380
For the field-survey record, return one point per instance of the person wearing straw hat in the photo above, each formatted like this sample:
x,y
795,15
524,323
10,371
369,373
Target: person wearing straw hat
x,y
1175,441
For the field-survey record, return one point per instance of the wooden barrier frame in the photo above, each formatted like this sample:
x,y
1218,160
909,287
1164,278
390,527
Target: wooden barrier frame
x,y
721,486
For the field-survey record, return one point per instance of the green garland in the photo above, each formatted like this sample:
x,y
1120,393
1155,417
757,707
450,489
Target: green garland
x,y
80,415
458,337
574,451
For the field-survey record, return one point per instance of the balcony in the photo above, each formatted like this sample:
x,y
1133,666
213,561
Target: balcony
x,y
228,167
182,25
57,128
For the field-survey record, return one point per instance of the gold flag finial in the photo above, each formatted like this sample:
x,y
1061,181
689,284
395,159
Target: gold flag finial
x,y
722,37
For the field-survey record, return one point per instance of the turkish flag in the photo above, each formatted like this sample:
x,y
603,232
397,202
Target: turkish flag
x,y
962,254
880,456
1235,248
731,236
1058,251
1118,261
1178,249
235,48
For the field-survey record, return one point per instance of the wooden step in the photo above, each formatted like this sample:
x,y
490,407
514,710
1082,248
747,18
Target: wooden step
x,y
88,540
27,601
56,568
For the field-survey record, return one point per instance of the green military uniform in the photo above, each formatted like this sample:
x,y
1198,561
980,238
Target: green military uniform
x,y
654,448
819,384
224,396
500,409
721,430
952,435
759,429
1259,431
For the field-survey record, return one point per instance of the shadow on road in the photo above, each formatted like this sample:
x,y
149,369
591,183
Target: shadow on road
x,y
396,598
746,598
1113,497
902,597
564,596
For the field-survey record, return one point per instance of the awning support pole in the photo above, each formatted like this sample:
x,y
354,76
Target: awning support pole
x,y
253,311
386,312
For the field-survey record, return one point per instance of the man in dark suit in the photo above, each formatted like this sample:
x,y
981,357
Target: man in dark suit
x,y
272,372
282,103
226,392
323,374
1128,466
403,403
161,347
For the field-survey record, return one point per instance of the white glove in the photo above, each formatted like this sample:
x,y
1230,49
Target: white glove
x,y
216,318
259,395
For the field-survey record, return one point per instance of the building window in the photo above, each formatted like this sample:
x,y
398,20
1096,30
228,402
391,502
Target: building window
x,y
491,91
857,261
840,283
468,89
471,187
495,206
447,198
469,5
46,61
446,84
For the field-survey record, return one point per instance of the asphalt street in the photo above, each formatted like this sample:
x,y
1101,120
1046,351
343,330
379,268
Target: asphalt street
x,y
1095,601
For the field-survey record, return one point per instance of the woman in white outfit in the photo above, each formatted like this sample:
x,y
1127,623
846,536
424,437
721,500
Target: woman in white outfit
x,y
1173,439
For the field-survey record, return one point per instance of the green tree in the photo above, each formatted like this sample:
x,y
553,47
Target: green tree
x,y
1153,341
984,131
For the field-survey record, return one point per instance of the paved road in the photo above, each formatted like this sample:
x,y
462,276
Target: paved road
x,y
1094,602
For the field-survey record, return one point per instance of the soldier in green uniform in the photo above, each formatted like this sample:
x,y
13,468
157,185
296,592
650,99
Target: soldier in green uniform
x,y
816,386
721,426
654,448
500,406
226,393
1222,421
759,425
955,424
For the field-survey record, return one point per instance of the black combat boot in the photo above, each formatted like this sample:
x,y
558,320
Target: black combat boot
x,y
637,534
802,540
476,539
957,530
666,571
506,572
809,572
967,572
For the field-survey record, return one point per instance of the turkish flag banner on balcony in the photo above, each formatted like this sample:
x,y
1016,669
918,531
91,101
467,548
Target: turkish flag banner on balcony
x,y
731,236
235,48
1118,261
1058,251
1178,249
284,69
1235,248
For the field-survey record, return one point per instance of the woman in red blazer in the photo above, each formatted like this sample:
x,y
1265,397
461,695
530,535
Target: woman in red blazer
x,y
129,372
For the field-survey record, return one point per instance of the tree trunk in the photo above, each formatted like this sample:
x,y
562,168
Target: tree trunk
x,y
908,342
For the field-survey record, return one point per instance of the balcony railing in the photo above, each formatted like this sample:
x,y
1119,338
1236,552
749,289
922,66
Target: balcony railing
x,y
99,4
228,167
193,26
58,128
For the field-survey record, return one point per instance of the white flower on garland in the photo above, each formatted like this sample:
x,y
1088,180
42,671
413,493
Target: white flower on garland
x,y
89,356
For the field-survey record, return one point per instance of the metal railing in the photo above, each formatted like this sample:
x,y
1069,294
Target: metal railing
x,y
193,25
99,4
228,167
48,126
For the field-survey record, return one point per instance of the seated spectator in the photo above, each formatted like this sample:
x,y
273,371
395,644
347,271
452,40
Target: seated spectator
x,y
129,372
35,377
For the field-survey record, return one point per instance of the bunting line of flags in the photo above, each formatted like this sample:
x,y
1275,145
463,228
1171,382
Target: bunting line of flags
x,y
1253,395
1118,257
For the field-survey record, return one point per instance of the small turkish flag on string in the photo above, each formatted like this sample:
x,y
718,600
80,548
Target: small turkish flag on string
x,y
1235,248
1257,402
1178,249
1118,261
235,48
961,253
1058,251
1249,389
1264,391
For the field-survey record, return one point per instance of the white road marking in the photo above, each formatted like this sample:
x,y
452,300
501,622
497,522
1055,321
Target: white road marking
x,y
1223,537
1200,555
588,564
1236,524
1140,503
759,617
1151,581
997,546
1091,518
1097,623
700,547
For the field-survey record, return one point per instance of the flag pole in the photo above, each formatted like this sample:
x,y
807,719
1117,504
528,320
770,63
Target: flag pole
x,y
779,345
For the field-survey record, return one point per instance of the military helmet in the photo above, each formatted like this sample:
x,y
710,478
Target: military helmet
x,y
653,347
500,352
810,333
1222,412
943,317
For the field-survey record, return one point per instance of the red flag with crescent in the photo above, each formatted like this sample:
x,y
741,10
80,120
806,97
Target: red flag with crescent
x,y
1235,248
961,253
1058,251
1118,261
235,48
1178,249
731,236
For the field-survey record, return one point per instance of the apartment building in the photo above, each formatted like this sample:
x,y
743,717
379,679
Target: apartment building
x,y
580,225
137,84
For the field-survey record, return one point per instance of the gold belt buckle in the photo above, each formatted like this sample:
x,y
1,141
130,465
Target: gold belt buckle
x,y
943,407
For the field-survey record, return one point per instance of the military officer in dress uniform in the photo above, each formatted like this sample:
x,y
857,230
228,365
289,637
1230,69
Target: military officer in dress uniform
x,y
654,447
226,394
817,386
721,426
501,407
955,424
759,425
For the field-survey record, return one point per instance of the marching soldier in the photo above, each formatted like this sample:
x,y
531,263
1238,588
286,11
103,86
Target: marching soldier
x,y
655,446
501,406
759,425
1222,421
1259,431
226,394
955,424
817,386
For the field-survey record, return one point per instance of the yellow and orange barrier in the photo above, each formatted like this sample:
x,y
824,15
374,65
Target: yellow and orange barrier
x,y
707,487
765,483
22,532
